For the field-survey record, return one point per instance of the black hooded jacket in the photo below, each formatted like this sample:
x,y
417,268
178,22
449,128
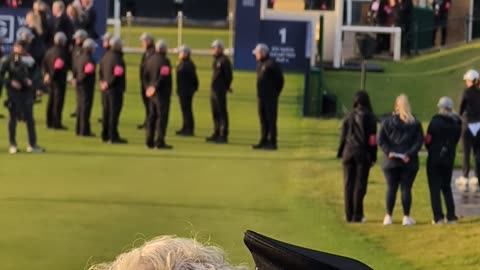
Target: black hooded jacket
x,y
270,79
187,79
470,105
442,138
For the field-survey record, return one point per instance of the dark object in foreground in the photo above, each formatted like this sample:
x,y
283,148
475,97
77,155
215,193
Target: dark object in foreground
x,y
270,254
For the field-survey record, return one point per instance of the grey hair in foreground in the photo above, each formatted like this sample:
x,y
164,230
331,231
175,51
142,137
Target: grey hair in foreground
x,y
171,253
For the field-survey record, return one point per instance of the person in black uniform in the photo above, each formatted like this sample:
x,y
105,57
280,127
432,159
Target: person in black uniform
x,y
1,56
19,67
270,83
358,150
401,138
149,47
89,19
158,79
106,47
84,74
470,112
61,22
187,85
113,84
441,141
403,16
79,37
222,78
25,35
440,21
55,77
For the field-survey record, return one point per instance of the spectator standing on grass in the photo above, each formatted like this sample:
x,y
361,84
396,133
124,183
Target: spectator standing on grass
x,y
402,18
222,78
55,71
158,75
358,151
16,73
440,19
61,21
89,19
401,138
75,17
270,82
112,84
149,50
187,85
42,11
441,141
470,112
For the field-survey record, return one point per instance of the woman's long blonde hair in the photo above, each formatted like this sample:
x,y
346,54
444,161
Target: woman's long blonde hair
x,y
35,22
403,109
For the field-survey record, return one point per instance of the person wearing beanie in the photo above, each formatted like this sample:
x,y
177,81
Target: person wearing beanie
x,y
158,82
187,85
84,74
470,113
112,84
149,50
441,141
55,71
270,82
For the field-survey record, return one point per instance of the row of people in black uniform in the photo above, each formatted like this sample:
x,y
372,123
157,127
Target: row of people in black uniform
x,y
156,90
400,138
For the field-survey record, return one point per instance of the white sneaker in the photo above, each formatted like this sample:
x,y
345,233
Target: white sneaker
x,y
35,149
364,220
462,184
473,185
408,221
440,222
387,220
13,149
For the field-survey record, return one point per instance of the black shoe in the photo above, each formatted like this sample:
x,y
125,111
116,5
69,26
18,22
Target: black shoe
x,y
100,120
212,139
222,140
164,146
271,147
140,127
61,128
88,135
185,133
73,115
259,146
119,141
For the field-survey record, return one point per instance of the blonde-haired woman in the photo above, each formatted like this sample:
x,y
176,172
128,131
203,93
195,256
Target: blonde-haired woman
x,y
401,138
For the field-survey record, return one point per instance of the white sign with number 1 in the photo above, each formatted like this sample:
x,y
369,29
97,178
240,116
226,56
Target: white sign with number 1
x,y
283,35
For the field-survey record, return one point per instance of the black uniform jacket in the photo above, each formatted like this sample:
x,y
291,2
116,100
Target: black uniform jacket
x,y
470,105
270,79
158,73
442,138
187,79
55,64
222,74
84,70
113,71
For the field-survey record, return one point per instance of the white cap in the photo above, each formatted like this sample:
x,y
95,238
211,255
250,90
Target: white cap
x,y
115,41
107,36
89,44
184,49
471,75
82,34
161,45
217,44
60,38
261,47
445,103
146,36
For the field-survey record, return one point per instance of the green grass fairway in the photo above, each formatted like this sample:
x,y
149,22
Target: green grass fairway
x,y
84,201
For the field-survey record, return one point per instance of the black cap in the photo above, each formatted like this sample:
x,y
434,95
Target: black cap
x,y
270,254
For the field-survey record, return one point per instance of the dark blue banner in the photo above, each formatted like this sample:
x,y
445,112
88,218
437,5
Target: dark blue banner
x,y
247,30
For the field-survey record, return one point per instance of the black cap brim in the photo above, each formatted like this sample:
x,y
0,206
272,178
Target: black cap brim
x,y
270,254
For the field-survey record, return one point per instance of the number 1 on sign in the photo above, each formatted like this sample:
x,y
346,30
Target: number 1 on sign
x,y
283,35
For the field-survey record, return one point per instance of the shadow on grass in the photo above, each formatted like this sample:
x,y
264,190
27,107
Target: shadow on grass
x,y
143,204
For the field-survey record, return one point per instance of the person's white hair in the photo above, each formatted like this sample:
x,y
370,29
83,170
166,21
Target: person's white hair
x,y
171,253
60,5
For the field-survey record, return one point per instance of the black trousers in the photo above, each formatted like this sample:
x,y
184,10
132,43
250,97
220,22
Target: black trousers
x,y
406,38
21,105
112,107
218,101
467,146
56,101
158,120
84,109
146,105
439,182
355,173
440,23
402,177
268,112
186,105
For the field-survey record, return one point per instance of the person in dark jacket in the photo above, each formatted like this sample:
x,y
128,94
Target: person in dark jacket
x,y
440,21
158,75
381,14
402,18
89,19
270,81
441,141
401,138
222,78
187,85
16,74
37,45
112,84
61,22
470,112
358,151
79,37
75,17
106,47
149,47
42,11
55,77
84,74
26,35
